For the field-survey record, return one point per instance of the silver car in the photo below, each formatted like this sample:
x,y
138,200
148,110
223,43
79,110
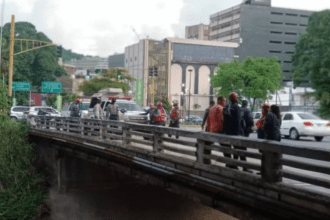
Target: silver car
x,y
17,112
83,109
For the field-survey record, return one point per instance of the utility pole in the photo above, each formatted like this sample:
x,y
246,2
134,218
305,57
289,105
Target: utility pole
x,y
190,70
11,55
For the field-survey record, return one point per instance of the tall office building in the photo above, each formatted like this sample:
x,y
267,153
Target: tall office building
x,y
261,30
197,32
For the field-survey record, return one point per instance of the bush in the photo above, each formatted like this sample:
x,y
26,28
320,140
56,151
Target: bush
x,y
20,194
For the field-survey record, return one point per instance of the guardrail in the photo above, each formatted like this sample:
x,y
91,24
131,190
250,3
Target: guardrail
x,y
202,152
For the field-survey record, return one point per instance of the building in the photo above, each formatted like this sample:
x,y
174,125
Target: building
x,y
178,60
265,31
198,32
261,30
116,60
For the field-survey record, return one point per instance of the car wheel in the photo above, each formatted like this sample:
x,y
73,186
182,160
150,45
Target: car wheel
x,y
318,138
294,135
13,118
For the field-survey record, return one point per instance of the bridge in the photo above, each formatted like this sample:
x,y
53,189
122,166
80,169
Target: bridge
x,y
294,181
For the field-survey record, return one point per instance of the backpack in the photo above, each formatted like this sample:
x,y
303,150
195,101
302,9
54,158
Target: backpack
x,y
161,117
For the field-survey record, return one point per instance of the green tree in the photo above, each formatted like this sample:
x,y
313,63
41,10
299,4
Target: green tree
x,y
34,66
311,59
254,78
109,80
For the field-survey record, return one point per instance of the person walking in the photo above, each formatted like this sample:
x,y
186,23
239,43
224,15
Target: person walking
x,y
112,111
97,110
175,117
247,119
206,114
232,122
260,123
273,124
151,112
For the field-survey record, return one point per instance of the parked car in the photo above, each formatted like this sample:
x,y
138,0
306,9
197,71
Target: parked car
x,y
302,124
83,109
129,111
17,112
193,118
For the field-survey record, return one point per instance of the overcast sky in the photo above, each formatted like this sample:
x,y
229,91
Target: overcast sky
x,y
105,27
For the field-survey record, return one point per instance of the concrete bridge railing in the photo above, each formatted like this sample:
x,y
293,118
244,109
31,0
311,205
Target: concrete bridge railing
x,y
200,154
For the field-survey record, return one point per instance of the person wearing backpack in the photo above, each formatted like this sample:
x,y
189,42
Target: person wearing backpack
x,y
175,117
247,119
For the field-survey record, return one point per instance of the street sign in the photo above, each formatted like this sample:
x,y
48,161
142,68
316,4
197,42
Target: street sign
x,y
51,87
21,86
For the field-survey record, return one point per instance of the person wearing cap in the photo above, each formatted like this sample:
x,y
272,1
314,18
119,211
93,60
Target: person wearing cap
x,y
151,112
232,122
175,117
160,115
112,110
74,109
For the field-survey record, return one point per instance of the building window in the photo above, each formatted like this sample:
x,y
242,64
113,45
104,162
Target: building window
x,y
289,42
276,13
304,16
135,58
290,33
276,32
291,24
275,51
303,25
275,42
291,14
275,22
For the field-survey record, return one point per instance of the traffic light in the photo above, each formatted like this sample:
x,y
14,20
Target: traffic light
x,y
155,71
59,51
151,71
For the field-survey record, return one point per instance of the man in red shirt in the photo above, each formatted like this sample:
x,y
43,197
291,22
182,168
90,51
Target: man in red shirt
x,y
215,118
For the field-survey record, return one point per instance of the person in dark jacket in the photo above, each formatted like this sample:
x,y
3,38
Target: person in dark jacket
x,y
232,121
273,124
151,112
247,119
74,109
206,114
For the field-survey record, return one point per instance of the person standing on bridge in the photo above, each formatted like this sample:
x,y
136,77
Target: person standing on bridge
x,y
260,123
247,119
97,110
273,124
175,117
112,111
160,115
74,109
151,112
232,122
206,114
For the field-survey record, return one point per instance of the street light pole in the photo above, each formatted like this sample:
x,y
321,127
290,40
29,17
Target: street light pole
x,y
190,70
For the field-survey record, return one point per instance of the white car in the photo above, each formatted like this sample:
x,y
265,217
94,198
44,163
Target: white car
x,y
302,124
33,111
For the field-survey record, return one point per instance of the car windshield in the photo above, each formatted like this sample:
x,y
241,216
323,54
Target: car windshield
x,y
130,106
308,116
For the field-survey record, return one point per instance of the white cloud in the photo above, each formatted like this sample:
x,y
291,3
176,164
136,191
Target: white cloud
x,y
103,27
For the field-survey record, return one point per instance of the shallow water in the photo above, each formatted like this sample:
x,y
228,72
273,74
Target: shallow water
x,y
126,202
